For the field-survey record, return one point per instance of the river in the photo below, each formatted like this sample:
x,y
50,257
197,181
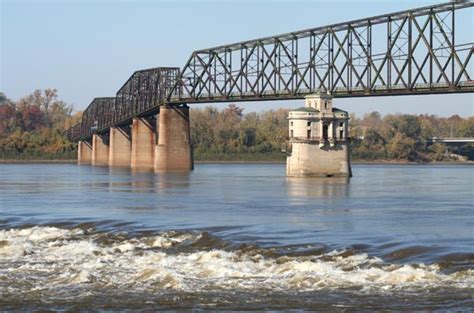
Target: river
x,y
236,237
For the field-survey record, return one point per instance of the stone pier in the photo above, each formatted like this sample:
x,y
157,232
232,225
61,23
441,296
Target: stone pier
x,y
84,152
173,152
143,144
100,150
120,148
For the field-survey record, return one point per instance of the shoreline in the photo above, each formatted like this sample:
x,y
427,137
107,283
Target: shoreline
x,y
358,162
13,161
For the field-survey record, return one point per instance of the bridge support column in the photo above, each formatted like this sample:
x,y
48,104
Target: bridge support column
x,y
143,144
119,148
84,152
100,150
173,152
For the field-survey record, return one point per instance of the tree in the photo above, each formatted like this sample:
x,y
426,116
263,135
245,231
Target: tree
x,y
373,138
8,120
439,151
466,128
55,112
402,148
3,98
372,120
34,126
228,123
407,125
32,118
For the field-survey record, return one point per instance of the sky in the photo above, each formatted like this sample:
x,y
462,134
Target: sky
x,y
88,49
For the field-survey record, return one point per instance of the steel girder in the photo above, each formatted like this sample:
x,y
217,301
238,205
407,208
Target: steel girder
x,y
403,53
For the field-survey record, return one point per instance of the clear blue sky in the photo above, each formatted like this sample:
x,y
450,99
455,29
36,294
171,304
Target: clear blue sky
x,y
87,48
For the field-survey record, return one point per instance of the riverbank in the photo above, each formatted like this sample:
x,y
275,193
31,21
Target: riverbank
x,y
362,162
3,161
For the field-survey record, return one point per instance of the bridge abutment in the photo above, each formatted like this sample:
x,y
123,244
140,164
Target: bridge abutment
x,y
174,152
120,148
143,144
84,152
100,150
318,139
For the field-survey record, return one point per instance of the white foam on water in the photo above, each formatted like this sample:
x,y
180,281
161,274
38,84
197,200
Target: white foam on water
x,y
40,258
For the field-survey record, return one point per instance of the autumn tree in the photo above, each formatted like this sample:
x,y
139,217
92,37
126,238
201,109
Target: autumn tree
x,y
3,98
33,127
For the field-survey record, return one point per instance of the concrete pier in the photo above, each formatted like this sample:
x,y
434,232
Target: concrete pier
x,y
311,160
84,152
120,147
100,150
143,144
173,152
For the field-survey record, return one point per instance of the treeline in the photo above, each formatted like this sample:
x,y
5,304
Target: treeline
x,y
231,135
407,137
33,127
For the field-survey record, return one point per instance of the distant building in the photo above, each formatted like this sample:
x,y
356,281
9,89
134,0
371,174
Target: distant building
x,y
318,139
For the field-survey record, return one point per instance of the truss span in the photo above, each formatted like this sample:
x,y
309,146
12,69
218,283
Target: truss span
x,y
403,53
140,95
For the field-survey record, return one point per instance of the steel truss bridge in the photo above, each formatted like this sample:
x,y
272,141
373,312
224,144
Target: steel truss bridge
x,y
410,52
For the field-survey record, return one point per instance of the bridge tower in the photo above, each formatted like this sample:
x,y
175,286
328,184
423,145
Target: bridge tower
x,y
318,139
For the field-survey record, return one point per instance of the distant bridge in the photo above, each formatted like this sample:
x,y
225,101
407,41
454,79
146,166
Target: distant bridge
x,y
453,140
403,53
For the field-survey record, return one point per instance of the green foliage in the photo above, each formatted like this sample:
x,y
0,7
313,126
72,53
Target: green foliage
x,y
369,147
402,148
438,151
33,127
